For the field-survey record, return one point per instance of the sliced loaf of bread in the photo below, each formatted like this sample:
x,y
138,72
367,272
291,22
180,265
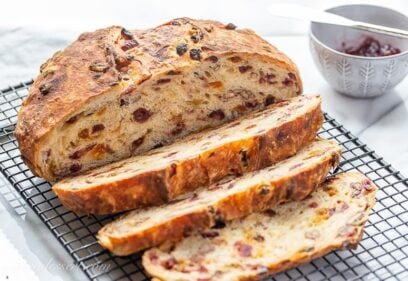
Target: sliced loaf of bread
x,y
265,243
248,144
291,179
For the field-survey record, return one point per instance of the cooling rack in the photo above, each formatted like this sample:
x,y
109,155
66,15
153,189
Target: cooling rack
x,y
381,255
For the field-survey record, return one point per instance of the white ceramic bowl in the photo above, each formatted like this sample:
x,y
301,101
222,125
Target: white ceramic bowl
x,y
359,76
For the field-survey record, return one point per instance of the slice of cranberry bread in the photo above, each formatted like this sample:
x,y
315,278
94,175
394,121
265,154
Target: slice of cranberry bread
x,y
248,144
291,179
265,243
115,92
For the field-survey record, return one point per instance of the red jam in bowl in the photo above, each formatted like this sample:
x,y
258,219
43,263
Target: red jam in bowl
x,y
371,47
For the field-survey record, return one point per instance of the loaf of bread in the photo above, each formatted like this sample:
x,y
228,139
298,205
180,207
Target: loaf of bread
x,y
261,244
291,179
115,92
250,143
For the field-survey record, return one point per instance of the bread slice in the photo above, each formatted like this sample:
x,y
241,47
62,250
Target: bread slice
x,y
291,179
115,92
262,244
248,144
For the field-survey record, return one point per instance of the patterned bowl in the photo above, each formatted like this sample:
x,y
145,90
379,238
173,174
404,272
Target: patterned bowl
x,y
359,76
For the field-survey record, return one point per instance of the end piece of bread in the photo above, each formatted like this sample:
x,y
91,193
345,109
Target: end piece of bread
x,y
262,244
114,93
291,179
248,144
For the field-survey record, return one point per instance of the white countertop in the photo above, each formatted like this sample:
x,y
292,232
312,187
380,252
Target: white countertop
x,y
28,249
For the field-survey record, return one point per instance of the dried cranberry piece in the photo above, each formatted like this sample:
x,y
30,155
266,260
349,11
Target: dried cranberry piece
x,y
81,152
292,76
270,213
129,44
268,78
97,127
230,26
153,256
367,185
244,68
243,249
209,234
178,128
287,82
212,59
269,100
163,81
141,115
194,197
76,167
259,238
170,263
195,54
217,114
251,104
181,49
123,102
72,120
126,34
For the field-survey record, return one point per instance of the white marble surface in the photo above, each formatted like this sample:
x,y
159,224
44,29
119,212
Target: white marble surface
x,y
32,30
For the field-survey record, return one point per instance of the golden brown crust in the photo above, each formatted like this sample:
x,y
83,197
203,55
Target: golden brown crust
x,y
66,82
295,186
160,186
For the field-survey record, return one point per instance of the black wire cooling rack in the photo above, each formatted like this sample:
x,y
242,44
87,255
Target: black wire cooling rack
x,y
381,255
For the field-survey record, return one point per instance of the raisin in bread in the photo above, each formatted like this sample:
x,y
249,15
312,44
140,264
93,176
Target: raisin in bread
x,y
248,144
262,244
291,179
114,92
